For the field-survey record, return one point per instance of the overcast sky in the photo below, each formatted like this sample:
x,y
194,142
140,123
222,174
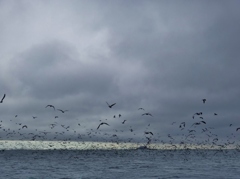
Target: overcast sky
x,y
163,56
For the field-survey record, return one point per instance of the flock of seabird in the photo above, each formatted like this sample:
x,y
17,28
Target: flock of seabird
x,y
188,133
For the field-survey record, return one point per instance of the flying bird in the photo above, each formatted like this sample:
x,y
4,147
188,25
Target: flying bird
x,y
237,128
3,98
63,111
24,126
140,109
102,124
124,121
110,106
50,106
204,100
148,114
149,133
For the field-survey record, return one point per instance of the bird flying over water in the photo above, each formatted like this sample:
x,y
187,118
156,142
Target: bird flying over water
x,y
3,98
110,106
204,100
24,126
102,124
50,106
147,113
63,111
149,133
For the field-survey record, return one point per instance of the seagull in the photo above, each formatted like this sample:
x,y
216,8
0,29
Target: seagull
x,y
237,128
50,106
119,115
3,98
215,114
147,114
63,111
102,124
24,126
34,117
110,106
149,133
203,122
124,121
204,100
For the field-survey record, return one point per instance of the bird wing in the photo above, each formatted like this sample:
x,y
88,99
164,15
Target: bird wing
x,y
3,97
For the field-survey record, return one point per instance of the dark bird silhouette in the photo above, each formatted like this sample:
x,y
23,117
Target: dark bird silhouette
x,y
140,109
203,122
196,123
124,121
25,126
50,106
204,100
237,128
63,111
149,133
215,114
102,124
34,117
148,114
110,106
119,115
3,98
183,123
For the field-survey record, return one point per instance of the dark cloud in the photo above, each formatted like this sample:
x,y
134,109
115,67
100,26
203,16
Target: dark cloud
x,y
163,56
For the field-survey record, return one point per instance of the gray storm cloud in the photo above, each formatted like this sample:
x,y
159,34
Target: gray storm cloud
x,y
162,56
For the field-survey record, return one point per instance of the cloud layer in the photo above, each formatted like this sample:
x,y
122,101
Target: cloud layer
x,y
162,56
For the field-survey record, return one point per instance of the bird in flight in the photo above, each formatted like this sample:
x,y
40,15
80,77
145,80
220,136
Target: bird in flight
x,y
147,113
34,117
237,128
149,133
110,106
204,100
50,106
102,124
24,126
124,121
63,111
3,98
140,109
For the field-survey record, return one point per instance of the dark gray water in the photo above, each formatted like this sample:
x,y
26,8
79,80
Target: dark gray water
x,y
194,164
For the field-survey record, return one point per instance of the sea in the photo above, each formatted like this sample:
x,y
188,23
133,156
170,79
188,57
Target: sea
x,y
117,164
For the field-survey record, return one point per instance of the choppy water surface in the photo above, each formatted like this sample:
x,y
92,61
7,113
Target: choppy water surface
x,y
119,164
